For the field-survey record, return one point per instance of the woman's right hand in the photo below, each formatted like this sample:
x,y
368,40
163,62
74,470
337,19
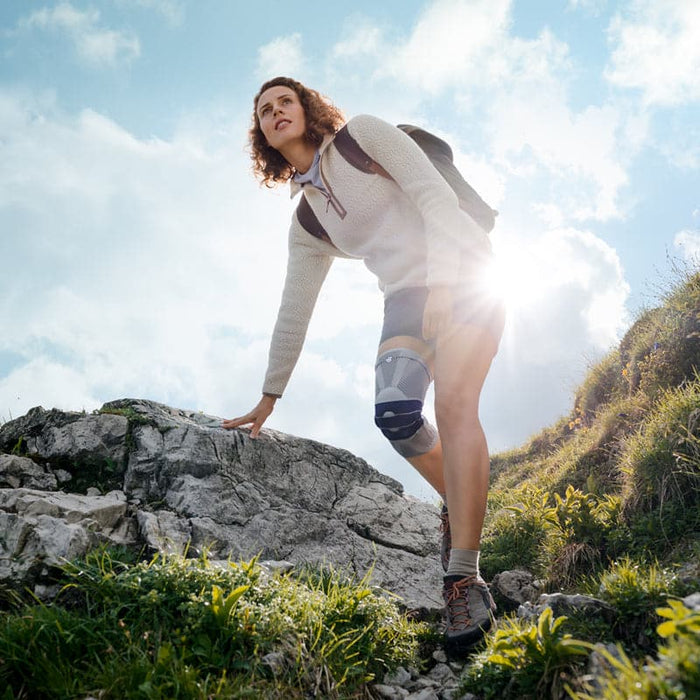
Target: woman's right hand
x,y
254,418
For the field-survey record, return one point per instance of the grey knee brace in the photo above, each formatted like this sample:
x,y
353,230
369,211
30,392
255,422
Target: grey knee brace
x,y
402,378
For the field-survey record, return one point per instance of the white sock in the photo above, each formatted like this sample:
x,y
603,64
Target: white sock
x,y
463,562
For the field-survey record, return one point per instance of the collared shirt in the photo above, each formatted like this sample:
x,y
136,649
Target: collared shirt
x,y
312,175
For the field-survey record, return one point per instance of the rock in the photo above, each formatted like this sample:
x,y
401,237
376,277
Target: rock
x,y
91,448
46,529
21,472
176,481
275,661
562,604
62,476
443,675
399,677
425,694
164,532
692,602
515,587
389,692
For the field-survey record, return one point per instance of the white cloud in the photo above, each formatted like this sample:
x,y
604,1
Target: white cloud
x,y
514,104
656,50
94,44
281,56
579,148
565,287
172,10
689,244
453,42
140,252
365,39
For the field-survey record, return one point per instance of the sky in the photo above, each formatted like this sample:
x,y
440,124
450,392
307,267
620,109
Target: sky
x,y
140,258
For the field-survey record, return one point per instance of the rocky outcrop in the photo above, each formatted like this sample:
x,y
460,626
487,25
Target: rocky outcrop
x,y
137,473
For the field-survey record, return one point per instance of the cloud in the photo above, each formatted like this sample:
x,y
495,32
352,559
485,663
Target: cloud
x,y
140,251
572,147
94,44
689,244
281,56
579,155
364,39
467,34
172,10
656,50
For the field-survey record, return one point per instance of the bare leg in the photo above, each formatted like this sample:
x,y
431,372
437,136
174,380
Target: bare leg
x,y
462,361
430,467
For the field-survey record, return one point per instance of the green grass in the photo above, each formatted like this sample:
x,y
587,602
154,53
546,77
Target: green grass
x,y
607,501
179,628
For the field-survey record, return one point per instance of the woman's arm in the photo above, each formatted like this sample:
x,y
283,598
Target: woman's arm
x,y
307,267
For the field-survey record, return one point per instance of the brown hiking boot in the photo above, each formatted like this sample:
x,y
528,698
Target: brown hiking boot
x,y
446,542
469,610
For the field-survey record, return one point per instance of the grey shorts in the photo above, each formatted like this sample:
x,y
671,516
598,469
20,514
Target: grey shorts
x,y
403,312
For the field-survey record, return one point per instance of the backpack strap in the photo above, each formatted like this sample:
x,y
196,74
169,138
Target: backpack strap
x,y
353,154
309,220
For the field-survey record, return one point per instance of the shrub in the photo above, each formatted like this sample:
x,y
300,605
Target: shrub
x,y
674,674
561,537
635,590
525,660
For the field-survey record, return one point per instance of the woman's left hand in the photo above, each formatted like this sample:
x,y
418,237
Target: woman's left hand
x,y
437,315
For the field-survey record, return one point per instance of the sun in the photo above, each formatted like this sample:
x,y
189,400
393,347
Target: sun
x,y
516,276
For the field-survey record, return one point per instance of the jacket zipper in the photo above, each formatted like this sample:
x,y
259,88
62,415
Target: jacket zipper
x,y
331,199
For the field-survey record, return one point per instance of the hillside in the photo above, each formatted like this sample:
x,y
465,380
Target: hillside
x,y
600,512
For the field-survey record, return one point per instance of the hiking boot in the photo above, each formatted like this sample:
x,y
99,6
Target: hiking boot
x,y
469,610
446,541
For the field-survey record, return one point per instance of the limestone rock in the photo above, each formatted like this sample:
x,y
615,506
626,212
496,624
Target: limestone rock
x,y
562,604
692,602
177,481
21,472
515,587
91,448
46,529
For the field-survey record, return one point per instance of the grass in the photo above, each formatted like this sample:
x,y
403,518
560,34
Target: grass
x,y
607,501
180,628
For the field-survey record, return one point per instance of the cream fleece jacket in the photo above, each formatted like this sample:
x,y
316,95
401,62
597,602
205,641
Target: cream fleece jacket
x,y
409,233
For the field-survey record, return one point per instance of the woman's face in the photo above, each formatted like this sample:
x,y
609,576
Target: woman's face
x,y
281,116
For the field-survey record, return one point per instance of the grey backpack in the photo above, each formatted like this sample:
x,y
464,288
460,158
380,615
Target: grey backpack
x,y
440,155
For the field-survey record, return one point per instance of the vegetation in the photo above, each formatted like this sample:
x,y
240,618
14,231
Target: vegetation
x,y
605,502
180,628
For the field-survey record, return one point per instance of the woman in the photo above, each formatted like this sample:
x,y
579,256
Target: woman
x,y
438,323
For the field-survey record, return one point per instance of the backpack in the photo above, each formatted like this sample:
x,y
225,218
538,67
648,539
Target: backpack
x,y
440,155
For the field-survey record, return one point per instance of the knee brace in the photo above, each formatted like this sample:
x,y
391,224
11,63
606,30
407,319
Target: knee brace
x,y
402,379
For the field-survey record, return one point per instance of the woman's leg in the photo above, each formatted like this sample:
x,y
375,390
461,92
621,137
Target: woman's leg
x,y
462,361
428,465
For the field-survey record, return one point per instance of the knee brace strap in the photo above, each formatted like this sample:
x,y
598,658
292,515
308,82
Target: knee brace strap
x,y
402,379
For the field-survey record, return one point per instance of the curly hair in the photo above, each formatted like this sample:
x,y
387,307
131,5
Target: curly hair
x,y
322,118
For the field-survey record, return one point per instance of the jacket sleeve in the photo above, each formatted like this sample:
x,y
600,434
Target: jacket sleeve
x,y
447,226
307,267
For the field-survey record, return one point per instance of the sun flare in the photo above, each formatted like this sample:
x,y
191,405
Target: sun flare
x,y
519,278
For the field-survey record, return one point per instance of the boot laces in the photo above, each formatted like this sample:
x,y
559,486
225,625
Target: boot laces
x,y
457,599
